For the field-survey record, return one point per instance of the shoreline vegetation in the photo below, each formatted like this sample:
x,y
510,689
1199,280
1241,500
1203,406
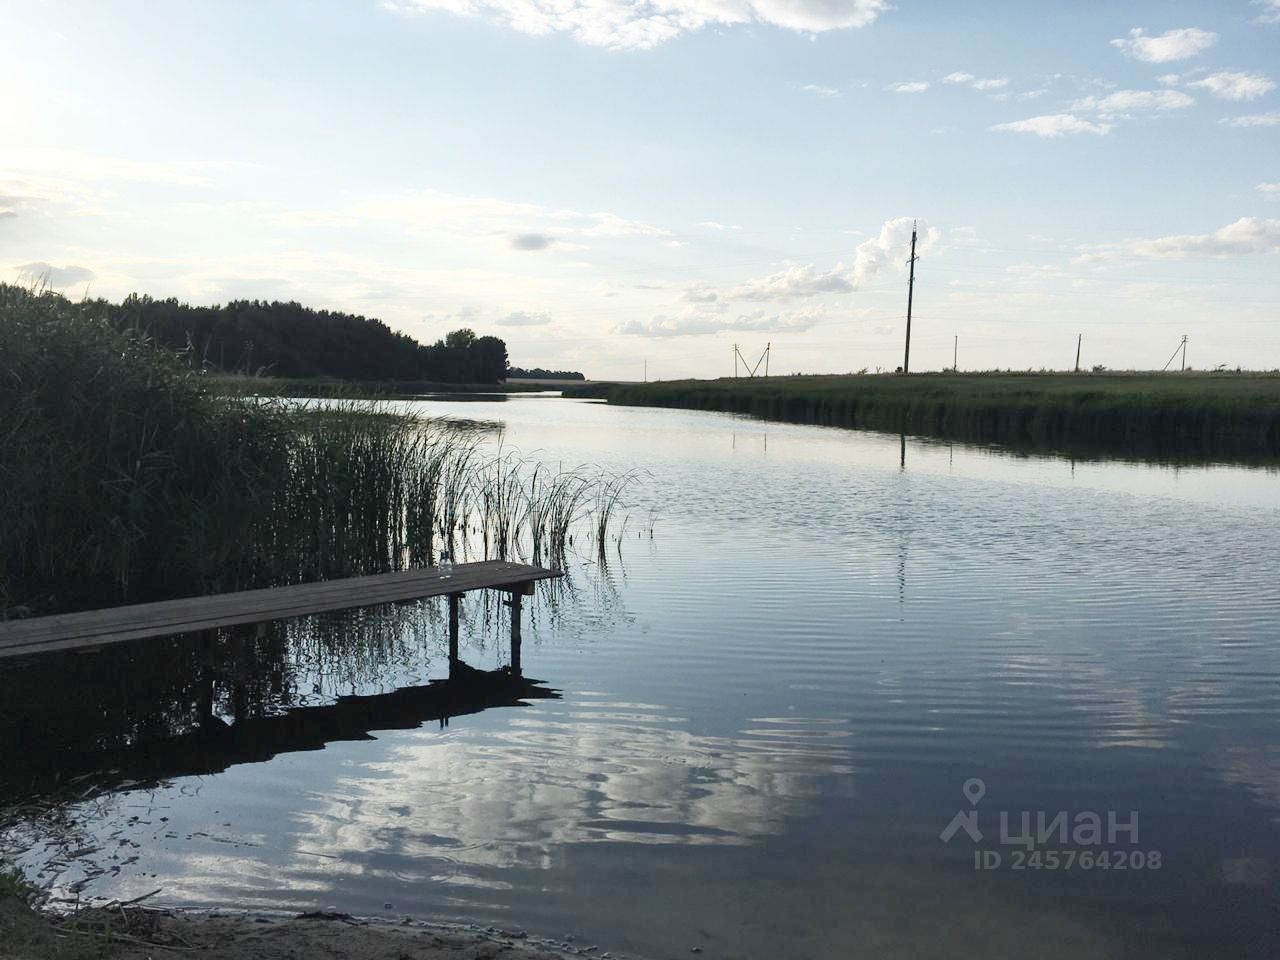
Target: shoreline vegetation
x,y
1184,416
129,476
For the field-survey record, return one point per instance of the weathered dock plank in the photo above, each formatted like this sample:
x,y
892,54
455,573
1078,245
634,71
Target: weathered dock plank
x,y
95,628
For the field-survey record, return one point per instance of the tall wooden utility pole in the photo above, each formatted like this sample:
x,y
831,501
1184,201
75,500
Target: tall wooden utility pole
x,y
911,284
955,355
1079,340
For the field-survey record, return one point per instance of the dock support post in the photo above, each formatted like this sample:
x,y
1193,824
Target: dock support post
x,y
515,634
454,603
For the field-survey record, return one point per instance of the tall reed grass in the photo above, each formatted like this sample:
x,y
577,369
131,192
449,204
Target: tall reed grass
x,y
126,476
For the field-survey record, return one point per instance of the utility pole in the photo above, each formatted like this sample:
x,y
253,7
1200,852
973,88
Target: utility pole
x,y
767,348
1079,340
735,361
911,284
1180,348
955,355
646,369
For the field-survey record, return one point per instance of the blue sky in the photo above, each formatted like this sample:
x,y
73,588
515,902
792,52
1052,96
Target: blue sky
x,y
607,182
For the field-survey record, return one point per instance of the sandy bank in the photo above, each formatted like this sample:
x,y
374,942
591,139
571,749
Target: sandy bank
x,y
141,934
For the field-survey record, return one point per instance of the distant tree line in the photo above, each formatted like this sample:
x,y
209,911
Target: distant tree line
x,y
290,340
537,373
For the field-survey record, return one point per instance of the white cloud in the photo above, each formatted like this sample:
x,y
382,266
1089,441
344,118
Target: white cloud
x,y
820,90
962,79
41,272
1270,11
699,324
1247,235
521,318
1134,101
1054,125
792,283
1270,190
1033,94
1253,120
1172,45
700,295
891,245
642,24
914,86
1168,79
1236,86
713,225
611,225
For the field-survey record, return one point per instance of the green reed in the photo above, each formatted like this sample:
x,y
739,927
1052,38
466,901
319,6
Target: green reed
x,y
1167,416
127,476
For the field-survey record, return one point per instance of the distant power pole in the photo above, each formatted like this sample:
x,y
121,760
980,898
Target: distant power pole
x,y
911,284
735,361
1181,348
1079,340
646,369
955,355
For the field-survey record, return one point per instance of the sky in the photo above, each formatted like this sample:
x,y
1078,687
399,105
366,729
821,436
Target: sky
x,y
626,187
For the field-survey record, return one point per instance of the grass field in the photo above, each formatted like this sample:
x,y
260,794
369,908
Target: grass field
x,y
1171,416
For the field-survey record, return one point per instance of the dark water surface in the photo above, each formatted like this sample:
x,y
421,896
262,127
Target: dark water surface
x,y
766,716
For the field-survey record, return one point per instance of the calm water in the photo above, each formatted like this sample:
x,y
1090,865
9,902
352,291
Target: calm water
x,y
767,712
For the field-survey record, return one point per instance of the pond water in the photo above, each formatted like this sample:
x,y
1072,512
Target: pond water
x,y
813,653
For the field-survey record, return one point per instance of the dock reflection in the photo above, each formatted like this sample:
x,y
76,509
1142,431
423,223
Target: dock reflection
x,y
145,716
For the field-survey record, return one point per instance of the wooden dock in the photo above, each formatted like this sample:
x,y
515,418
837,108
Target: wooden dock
x,y
95,628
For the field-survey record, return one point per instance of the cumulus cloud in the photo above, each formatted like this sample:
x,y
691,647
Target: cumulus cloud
x,y
520,318
820,90
1253,120
890,246
700,324
1054,125
959,78
531,241
41,272
642,24
1247,235
1270,11
794,282
914,86
1236,86
1172,45
1124,102
1270,190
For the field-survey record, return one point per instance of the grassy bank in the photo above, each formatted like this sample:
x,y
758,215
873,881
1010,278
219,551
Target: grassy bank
x,y
1164,416
128,477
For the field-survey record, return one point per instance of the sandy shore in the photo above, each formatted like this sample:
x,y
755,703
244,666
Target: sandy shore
x,y
143,934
